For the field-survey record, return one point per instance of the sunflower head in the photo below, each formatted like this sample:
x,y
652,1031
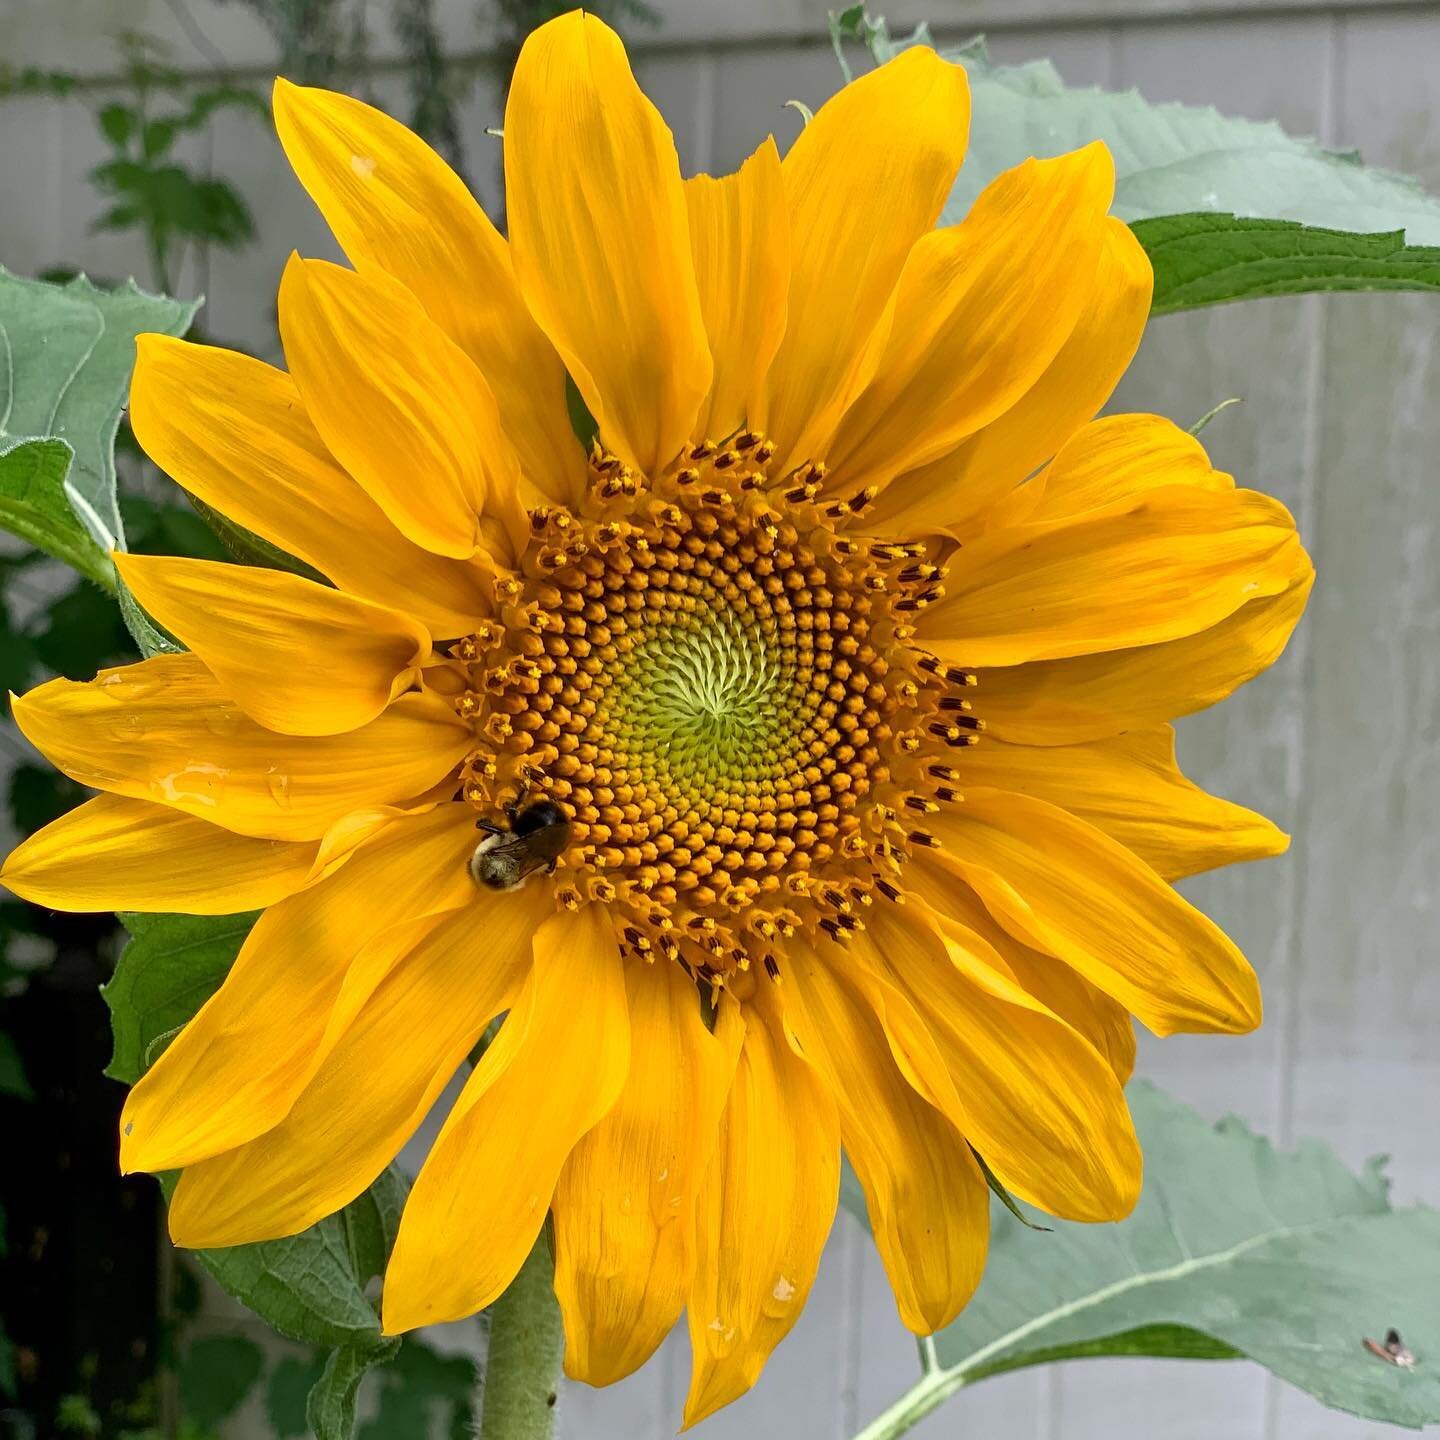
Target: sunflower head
x,y
792,767
692,667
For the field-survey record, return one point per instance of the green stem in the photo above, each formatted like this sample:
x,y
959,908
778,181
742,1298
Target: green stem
x,y
522,1370
912,1407
932,1389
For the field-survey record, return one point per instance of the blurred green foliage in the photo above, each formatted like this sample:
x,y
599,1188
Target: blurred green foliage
x,y
151,190
149,187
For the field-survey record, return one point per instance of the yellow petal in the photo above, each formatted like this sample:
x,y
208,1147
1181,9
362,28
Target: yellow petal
x,y
1057,702
1107,460
766,1207
116,854
1038,1101
600,238
953,492
164,730
375,1086
234,1071
396,206
295,656
555,1069
740,240
927,1201
234,433
1061,885
625,1204
398,403
895,139
1130,787
1162,565
1104,1022
981,310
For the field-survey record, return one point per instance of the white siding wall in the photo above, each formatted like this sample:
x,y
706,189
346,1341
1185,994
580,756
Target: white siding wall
x,y
1340,742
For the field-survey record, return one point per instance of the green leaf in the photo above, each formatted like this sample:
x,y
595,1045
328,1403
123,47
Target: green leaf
x,y
75,1415
307,1286
1209,259
157,137
170,968
1170,158
12,1071
34,507
330,1410
1203,191
117,124
66,352
88,412
217,1372
370,1224
1235,1249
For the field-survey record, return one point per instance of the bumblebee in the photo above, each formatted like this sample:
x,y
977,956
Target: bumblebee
x,y
509,855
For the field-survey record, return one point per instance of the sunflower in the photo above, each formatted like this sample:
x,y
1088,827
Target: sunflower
x,y
819,706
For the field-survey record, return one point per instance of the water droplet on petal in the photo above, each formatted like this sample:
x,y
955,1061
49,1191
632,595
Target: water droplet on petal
x,y
124,685
196,782
279,784
222,721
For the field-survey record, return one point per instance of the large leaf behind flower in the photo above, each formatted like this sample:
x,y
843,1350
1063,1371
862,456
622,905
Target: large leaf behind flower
x,y
1228,209
312,1287
1234,1250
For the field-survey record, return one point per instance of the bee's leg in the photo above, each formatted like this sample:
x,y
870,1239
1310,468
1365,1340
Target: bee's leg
x,y
489,827
550,868
518,803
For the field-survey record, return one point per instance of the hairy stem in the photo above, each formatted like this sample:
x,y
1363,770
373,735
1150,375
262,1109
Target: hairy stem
x,y
522,1371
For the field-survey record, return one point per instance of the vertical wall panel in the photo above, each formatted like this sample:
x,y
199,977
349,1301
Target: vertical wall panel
x,y
1369,992
30,174
1251,748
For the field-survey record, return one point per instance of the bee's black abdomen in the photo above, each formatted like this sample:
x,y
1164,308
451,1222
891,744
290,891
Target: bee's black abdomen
x,y
539,816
